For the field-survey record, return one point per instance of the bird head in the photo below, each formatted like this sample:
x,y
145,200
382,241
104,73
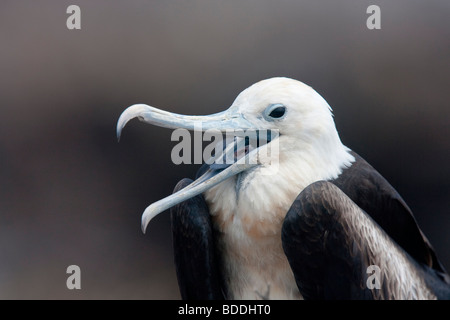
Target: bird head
x,y
289,106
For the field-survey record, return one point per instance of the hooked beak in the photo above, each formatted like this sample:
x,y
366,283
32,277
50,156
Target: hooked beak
x,y
223,121
227,121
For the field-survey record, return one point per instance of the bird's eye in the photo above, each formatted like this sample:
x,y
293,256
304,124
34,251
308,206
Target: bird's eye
x,y
275,111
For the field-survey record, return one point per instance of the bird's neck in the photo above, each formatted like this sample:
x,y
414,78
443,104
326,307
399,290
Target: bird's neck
x,y
259,199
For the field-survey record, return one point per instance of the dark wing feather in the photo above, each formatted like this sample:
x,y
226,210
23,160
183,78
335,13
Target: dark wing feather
x,y
373,194
193,244
330,243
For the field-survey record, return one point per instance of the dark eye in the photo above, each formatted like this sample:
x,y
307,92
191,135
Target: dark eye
x,y
278,112
274,111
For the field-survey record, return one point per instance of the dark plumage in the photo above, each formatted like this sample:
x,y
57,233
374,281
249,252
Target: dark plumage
x,y
195,258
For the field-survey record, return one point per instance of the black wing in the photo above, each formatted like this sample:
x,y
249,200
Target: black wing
x,y
193,244
337,251
373,194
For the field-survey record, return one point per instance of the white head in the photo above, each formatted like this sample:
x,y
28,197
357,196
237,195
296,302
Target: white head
x,y
301,115
306,113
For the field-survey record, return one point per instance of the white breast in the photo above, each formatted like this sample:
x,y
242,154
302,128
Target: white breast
x,y
253,261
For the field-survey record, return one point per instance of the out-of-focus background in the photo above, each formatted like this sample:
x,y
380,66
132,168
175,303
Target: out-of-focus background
x,y
70,194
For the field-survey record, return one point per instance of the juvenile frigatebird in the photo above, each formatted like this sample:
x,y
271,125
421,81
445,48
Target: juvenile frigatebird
x,y
322,224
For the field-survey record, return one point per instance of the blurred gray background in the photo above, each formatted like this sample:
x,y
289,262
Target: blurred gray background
x,y
70,194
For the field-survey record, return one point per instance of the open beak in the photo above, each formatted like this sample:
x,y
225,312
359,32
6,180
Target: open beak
x,y
228,121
